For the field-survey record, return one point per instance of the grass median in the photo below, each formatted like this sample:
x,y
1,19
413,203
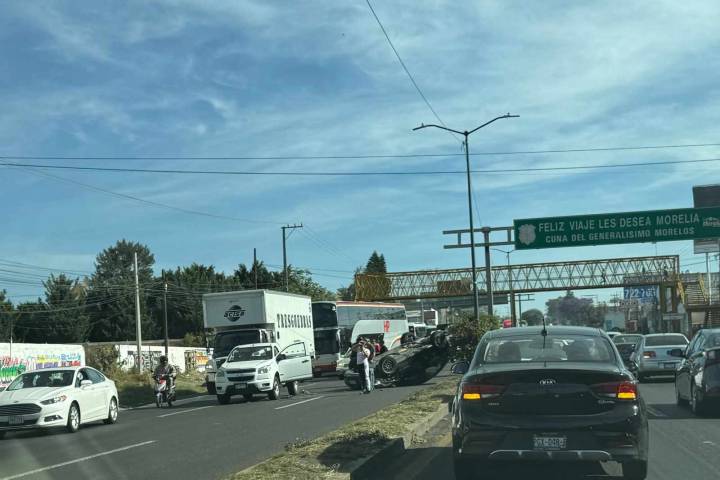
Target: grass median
x,y
332,454
138,389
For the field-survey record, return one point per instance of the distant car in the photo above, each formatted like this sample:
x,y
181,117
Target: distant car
x,y
652,355
58,397
555,395
697,380
627,338
411,364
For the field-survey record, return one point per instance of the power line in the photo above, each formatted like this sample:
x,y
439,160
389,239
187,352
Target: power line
x,y
323,174
352,157
33,169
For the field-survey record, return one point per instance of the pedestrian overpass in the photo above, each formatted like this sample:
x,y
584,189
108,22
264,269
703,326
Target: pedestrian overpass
x,y
523,278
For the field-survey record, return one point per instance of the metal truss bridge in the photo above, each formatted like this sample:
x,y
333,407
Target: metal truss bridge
x,y
537,277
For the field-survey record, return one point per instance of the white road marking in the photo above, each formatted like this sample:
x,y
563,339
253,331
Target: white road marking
x,y
184,411
83,459
298,403
655,412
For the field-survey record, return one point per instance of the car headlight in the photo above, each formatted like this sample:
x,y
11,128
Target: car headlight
x,y
220,374
57,399
264,370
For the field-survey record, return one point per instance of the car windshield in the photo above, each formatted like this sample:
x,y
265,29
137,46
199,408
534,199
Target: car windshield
x,y
249,354
553,348
226,341
662,340
627,338
46,378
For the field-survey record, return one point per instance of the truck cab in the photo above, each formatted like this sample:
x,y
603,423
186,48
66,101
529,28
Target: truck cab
x,y
262,368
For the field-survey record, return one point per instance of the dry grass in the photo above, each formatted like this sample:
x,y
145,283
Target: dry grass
x,y
137,389
328,456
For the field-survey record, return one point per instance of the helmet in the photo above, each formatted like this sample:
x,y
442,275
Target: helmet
x,y
163,360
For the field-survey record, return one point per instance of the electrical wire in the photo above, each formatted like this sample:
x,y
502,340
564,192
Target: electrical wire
x,y
328,174
355,157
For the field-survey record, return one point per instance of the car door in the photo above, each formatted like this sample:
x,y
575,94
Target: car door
x,y
100,393
84,395
295,364
683,372
695,361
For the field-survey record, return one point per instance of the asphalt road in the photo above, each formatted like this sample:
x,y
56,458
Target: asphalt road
x,y
196,440
682,447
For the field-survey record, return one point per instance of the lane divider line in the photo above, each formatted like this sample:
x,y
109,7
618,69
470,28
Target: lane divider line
x,y
83,459
298,403
184,411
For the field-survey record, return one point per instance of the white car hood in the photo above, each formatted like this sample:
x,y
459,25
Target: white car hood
x,y
37,394
250,364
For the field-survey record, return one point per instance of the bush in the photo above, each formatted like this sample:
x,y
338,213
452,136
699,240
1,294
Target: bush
x,y
466,333
193,340
102,357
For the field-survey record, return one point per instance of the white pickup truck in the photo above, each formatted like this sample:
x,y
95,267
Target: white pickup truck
x,y
262,368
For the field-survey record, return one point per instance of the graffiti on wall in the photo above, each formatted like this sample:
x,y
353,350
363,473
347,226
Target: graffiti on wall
x,y
150,359
10,367
195,360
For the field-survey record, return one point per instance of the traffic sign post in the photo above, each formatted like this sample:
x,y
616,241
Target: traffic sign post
x,y
615,228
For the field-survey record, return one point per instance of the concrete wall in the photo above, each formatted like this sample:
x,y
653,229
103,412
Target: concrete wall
x,y
32,356
183,358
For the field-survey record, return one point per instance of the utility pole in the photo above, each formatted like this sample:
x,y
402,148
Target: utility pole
x,y
466,134
138,327
515,319
167,340
709,277
285,268
255,270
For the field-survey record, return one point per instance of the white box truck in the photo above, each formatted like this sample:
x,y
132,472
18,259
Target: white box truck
x,y
256,317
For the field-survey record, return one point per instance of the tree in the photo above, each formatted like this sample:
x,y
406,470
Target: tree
x,y
5,307
348,293
65,318
466,333
570,310
532,316
111,294
376,264
301,282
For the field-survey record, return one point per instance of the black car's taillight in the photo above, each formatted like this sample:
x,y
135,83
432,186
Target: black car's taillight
x,y
478,391
619,390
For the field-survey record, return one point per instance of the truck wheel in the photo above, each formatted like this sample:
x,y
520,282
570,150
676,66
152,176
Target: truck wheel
x,y
275,392
211,388
293,388
388,366
223,399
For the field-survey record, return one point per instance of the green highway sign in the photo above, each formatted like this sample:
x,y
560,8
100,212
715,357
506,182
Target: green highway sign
x,y
611,228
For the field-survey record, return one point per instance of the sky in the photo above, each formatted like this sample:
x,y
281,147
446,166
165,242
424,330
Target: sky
x,y
282,86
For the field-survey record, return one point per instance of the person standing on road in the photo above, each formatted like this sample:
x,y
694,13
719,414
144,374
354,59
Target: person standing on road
x,y
358,353
371,365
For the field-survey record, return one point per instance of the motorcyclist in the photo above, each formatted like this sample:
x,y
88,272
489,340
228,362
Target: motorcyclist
x,y
164,368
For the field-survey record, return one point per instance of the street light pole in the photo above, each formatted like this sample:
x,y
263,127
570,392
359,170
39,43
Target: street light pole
x,y
513,316
466,134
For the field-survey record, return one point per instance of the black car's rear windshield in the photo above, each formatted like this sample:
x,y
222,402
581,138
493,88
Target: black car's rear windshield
x,y
553,348
663,340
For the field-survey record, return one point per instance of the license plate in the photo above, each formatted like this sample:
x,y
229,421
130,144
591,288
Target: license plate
x,y
549,443
669,365
241,386
15,420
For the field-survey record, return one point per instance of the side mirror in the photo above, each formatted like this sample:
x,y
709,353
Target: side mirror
x,y
281,357
85,383
460,368
677,352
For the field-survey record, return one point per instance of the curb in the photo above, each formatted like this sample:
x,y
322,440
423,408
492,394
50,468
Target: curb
x,y
371,467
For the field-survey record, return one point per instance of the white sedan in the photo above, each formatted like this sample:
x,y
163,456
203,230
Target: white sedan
x,y
58,397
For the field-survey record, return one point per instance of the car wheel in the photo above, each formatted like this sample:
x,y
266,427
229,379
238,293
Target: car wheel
x,y
211,388
248,397
635,470
678,398
223,399
388,366
73,423
112,412
696,403
275,392
293,388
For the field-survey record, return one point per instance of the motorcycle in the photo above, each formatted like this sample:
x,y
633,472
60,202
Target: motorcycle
x,y
164,393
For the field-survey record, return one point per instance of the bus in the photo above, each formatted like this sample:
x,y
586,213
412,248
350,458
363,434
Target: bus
x,y
337,324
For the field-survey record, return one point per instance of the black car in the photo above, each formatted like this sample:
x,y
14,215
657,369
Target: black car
x,y
697,379
410,364
554,395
